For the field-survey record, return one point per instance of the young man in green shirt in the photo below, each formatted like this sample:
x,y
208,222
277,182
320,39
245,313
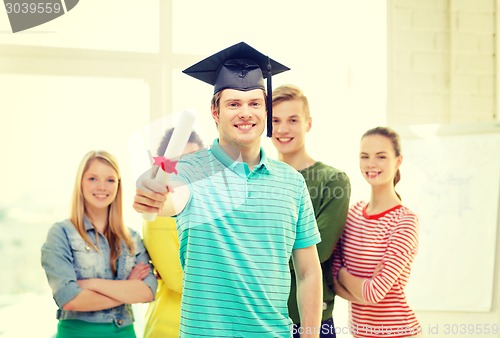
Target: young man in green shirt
x,y
328,187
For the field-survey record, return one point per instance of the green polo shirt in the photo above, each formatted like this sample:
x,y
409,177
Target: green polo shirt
x,y
236,236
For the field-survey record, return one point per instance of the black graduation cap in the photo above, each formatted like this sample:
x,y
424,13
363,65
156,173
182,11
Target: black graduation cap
x,y
239,67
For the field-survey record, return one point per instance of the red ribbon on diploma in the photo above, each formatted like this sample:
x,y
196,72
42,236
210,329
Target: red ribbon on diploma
x,y
165,164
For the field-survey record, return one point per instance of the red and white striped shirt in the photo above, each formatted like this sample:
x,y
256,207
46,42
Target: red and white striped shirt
x,y
390,237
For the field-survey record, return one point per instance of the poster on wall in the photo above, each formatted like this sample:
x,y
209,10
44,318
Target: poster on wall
x,y
453,183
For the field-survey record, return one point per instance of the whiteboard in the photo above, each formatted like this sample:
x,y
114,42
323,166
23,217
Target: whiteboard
x,y
453,184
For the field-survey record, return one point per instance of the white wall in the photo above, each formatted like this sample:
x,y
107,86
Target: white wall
x,y
442,69
441,61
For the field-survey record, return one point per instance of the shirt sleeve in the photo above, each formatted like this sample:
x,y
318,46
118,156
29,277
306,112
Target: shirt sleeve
x,y
143,256
332,213
401,251
160,239
307,231
337,259
57,261
190,168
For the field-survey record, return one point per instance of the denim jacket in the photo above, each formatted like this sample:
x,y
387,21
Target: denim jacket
x,y
66,258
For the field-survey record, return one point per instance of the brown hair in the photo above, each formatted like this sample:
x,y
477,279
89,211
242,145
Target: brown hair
x,y
288,93
216,101
396,145
193,138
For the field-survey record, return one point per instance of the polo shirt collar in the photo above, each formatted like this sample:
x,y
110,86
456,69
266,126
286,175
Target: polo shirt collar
x,y
235,166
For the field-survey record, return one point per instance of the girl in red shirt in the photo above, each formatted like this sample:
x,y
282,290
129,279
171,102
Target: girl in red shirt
x,y
373,260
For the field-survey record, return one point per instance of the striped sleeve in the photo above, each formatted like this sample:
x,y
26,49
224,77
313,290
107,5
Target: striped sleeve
x,y
401,251
307,230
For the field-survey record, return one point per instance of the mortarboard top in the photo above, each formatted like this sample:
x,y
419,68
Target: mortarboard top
x,y
239,67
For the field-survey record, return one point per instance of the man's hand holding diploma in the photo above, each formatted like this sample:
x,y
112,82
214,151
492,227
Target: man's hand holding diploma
x,y
152,186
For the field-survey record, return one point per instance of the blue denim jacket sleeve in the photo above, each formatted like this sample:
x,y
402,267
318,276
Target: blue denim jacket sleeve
x,y
143,256
57,261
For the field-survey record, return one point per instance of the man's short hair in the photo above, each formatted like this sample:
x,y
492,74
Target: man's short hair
x,y
288,93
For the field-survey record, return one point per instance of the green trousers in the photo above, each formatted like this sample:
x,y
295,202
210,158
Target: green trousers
x,y
82,329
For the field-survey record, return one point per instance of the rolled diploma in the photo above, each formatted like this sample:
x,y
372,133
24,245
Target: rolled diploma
x,y
174,150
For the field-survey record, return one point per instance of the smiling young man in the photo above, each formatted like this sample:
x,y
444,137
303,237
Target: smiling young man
x,y
240,215
328,187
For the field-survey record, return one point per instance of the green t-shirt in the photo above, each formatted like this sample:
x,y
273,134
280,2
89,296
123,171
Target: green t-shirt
x,y
330,191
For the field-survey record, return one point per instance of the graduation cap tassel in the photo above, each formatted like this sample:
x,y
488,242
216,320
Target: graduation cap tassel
x,y
269,100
